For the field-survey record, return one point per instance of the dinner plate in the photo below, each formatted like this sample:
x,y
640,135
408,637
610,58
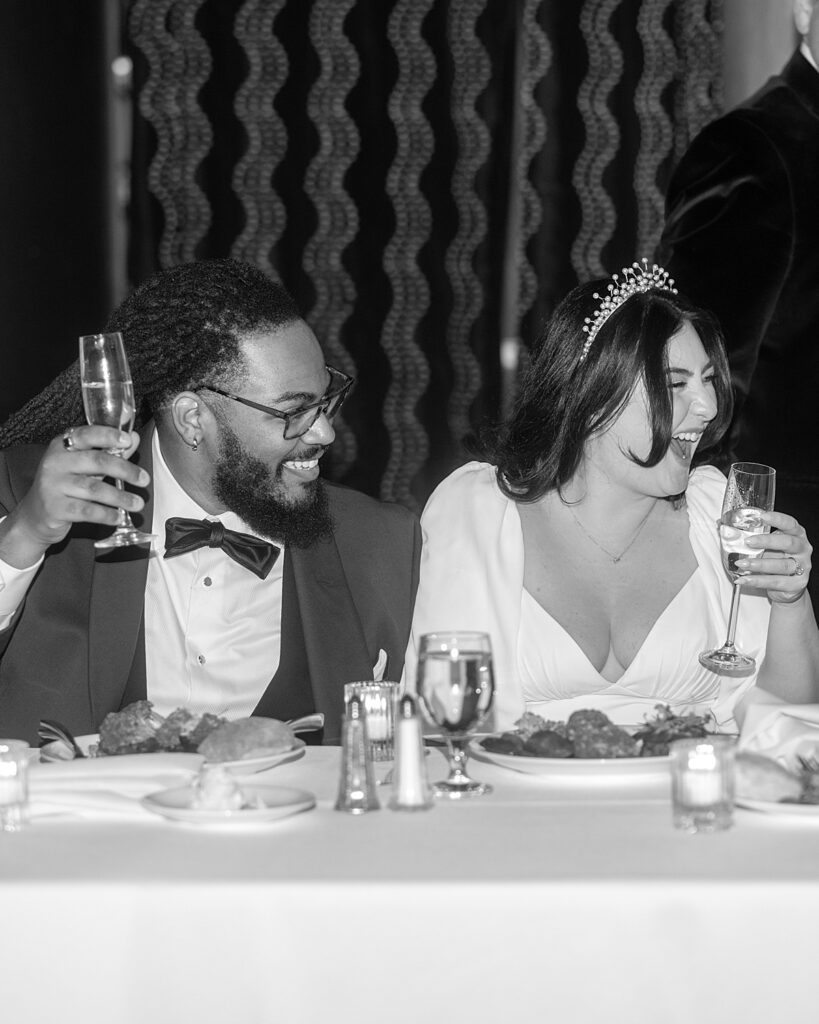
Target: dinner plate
x,y
779,807
56,751
251,765
599,768
276,802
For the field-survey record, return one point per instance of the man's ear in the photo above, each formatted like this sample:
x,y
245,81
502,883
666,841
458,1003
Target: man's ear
x,y
186,416
802,10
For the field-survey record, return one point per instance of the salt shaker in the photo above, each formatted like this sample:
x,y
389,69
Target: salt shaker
x,y
410,789
356,790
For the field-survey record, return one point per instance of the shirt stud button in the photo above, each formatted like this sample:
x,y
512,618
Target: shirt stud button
x,y
201,659
207,581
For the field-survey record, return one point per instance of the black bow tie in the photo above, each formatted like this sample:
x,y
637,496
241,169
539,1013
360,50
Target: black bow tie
x,y
183,535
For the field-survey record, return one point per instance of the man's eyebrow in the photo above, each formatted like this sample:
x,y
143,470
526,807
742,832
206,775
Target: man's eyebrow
x,y
295,396
301,396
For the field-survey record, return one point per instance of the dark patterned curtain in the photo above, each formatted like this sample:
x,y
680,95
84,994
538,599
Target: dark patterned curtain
x,y
428,177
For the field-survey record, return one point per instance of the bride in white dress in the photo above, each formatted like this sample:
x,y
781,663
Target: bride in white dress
x,y
586,545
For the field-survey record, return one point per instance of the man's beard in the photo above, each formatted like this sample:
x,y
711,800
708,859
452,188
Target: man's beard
x,y
255,492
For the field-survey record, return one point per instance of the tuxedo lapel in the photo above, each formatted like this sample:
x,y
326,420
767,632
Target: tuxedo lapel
x,y
116,604
334,639
804,80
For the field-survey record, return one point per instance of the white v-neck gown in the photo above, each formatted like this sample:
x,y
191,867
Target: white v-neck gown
x,y
472,578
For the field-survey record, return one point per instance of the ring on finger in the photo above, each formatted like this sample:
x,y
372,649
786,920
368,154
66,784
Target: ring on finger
x,y
68,440
799,570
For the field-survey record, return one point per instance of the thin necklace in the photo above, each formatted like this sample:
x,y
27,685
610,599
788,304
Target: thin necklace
x,y
615,558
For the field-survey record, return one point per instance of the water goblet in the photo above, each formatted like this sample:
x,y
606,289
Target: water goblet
x,y
108,400
455,688
750,491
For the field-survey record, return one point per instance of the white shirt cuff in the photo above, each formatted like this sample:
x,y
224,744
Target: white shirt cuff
x,y
14,584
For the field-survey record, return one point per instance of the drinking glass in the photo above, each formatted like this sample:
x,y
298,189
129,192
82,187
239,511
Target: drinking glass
x,y
750,490
13,785
702,783
455,688
108,399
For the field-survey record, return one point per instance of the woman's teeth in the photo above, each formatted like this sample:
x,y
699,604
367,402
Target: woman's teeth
x,y
684,444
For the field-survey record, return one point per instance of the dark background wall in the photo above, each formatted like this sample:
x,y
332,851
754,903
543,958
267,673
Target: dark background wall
x,y
55,221
428,177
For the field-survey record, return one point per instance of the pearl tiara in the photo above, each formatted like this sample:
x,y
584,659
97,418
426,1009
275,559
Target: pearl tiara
x,y
636,278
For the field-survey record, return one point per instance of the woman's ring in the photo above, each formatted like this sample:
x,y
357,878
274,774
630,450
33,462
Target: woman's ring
x,y
799,570
68,440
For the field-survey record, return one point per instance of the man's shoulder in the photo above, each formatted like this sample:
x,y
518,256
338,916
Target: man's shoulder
x,y
369,533
778,110
349,505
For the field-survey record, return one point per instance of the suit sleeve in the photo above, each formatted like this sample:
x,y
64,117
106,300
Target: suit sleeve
x,y
729,234
14,583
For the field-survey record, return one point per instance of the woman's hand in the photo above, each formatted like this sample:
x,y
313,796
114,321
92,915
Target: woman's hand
x,y
784,567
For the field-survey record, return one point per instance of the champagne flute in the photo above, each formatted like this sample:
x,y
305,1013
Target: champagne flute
x,y
108,399
750,491
455,688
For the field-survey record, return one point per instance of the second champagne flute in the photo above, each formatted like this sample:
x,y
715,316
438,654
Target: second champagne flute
x,y
108,400
455,688
750,491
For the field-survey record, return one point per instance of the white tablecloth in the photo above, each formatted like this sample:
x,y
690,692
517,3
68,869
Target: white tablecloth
x,y
544,901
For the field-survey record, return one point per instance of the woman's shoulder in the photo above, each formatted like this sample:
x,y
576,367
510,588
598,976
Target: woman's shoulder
x,y
478,479
468,499
705,491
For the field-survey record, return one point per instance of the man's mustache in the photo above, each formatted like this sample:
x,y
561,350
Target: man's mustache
x,y
309,453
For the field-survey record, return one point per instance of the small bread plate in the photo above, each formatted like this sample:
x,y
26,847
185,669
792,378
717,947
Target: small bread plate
x,y
779,807
252,765
272,803
582,768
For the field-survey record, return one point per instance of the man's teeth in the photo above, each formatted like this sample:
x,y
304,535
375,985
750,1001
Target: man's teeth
x,y
302,464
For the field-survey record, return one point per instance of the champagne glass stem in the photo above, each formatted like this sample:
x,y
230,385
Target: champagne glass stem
x,y
123,519
733,614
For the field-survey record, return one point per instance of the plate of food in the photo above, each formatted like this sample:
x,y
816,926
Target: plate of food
x,y
767,786
588,744
243,746
216,798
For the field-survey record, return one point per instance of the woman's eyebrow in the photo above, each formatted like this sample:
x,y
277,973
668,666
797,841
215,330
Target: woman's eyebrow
x,y
689,373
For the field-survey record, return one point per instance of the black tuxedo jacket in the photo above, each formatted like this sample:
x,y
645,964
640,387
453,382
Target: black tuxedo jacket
x,y
74,649
742,239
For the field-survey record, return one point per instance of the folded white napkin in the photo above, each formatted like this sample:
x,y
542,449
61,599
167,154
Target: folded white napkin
x,y
783,732
106,786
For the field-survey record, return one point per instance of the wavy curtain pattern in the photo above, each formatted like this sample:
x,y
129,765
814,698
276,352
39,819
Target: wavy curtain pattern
x,y
427,177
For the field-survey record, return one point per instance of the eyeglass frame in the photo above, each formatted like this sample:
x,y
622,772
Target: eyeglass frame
x,y
321,406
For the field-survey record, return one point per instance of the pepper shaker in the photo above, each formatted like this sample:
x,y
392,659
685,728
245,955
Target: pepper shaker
x,y
356,790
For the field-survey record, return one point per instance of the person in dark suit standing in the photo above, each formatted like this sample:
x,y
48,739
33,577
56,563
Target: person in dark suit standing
x,y
265,589
742,239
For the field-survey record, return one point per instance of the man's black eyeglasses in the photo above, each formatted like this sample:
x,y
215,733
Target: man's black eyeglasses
x,y
299,421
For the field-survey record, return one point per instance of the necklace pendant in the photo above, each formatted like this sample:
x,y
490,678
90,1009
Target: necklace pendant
x,y
617,559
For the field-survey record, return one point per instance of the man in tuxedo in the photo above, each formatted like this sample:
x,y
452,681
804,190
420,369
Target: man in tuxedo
x,y
742,239
265,589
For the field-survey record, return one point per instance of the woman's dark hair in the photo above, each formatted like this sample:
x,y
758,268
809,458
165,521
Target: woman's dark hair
x,y
563,401
181,327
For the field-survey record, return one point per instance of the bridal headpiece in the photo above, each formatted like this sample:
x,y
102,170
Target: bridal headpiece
x,y
636,278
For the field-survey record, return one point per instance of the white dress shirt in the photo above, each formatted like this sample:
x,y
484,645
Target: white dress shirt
x,y
212,627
